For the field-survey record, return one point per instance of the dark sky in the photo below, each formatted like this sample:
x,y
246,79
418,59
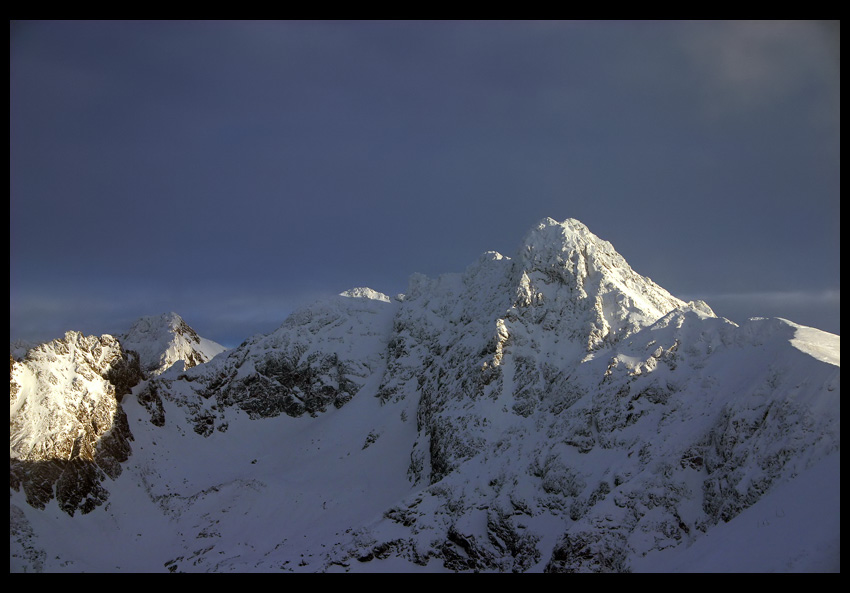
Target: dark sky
x,y
231,171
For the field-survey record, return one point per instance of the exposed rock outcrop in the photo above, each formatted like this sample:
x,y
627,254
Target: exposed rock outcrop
x,y
68,432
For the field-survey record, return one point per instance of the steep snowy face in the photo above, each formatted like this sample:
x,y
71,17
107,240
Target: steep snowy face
x,y
162,340
604,463
445,351
66,425
509,334
575,282
563,388
319,358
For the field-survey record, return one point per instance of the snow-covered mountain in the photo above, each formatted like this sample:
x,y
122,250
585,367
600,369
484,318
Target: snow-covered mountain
x,y
551,411
163,340
67,428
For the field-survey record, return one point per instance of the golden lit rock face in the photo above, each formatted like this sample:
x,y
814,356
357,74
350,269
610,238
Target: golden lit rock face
x,y
67,428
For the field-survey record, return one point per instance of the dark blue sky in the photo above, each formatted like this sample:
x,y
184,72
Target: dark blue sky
x,y
231,171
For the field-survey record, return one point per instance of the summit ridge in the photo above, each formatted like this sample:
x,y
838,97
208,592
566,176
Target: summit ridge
x,y
590,280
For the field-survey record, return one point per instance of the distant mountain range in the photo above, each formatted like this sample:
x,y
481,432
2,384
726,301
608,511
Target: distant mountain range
x,y
551,411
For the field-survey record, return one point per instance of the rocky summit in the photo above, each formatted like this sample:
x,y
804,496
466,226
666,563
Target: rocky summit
x,y
548,411
161,341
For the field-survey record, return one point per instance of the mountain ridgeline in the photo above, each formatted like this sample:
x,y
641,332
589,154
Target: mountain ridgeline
x,y
552,411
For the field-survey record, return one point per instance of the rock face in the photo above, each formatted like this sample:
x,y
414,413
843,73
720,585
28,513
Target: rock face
x,y
318,359
551,411
67,430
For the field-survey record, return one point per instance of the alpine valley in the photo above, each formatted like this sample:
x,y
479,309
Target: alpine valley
x,y
553,411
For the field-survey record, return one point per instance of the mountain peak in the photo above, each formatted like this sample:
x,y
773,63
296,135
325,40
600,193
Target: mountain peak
x,y
590,284
550,241
153,323
363,292
162,340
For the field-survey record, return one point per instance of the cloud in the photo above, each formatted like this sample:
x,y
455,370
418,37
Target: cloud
x,y
780,297
744,65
